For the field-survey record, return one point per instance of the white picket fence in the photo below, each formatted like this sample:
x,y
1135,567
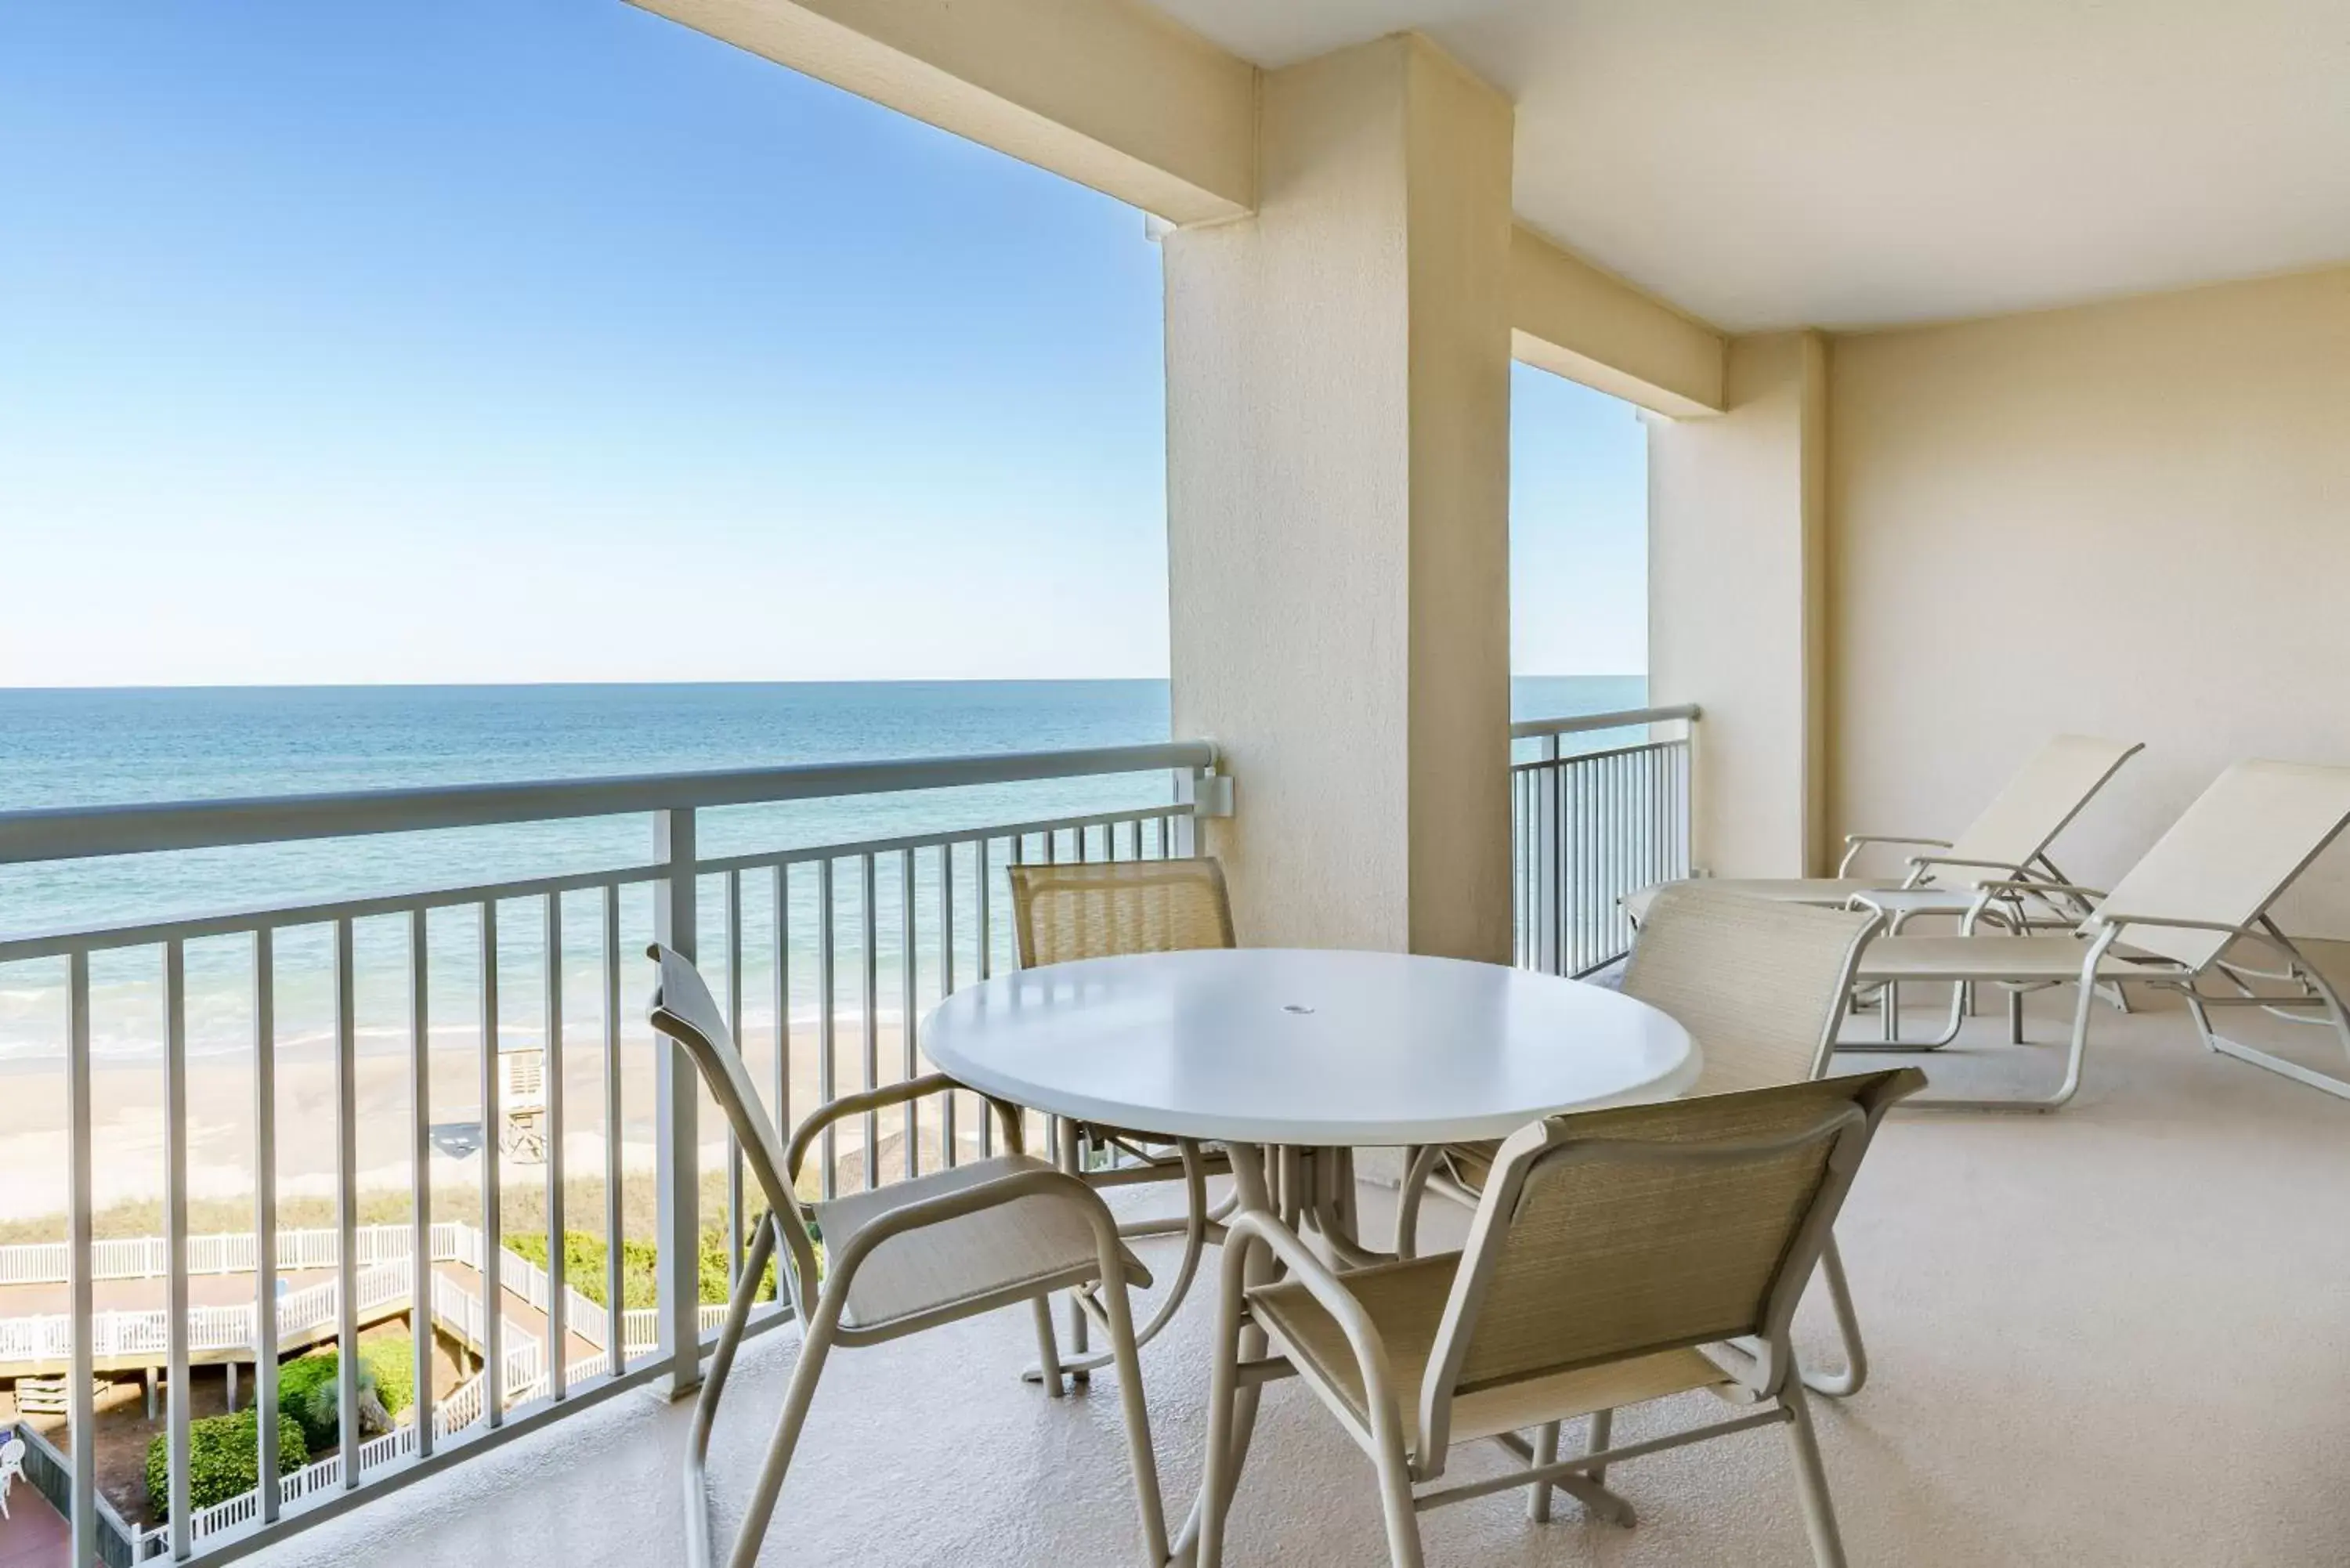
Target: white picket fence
x,y
383,1253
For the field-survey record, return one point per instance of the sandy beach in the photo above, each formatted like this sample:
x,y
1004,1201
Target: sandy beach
x,y
128,1127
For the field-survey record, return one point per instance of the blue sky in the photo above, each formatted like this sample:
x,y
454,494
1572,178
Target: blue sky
x,y
545,340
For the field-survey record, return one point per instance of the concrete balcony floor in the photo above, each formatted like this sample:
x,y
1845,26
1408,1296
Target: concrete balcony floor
x,y
2113,1335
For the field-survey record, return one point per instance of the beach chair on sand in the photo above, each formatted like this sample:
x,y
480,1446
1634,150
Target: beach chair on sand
x,y
2008,842
522,1107
2190,916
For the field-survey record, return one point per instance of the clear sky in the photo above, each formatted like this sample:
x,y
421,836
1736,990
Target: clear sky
x,y
547,340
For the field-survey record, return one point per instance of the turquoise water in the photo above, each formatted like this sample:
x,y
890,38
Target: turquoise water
x,y
62,748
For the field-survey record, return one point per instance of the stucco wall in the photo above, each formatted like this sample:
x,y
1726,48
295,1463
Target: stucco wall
x,y
2131,519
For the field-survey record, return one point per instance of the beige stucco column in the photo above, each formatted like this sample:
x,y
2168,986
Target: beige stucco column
x,y
1737,611
1337,449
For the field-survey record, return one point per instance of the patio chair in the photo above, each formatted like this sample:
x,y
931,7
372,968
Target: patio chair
x,y
11,1469
2171,921
1759,986
2008,842
1065,913
1617,1257
915,1254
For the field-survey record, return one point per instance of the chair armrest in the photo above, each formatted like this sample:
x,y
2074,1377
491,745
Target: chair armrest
x,y
1854,842
886,1095
2022,873
1363,1337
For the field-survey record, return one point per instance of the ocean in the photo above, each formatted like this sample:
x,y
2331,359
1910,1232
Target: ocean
x,y
60,748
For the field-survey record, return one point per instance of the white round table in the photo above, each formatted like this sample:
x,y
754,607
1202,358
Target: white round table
x,y
1255,1047
1306,1048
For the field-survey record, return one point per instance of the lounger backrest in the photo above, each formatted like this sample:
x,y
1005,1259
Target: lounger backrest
x,y
1759,984
2042,798
2229,857
2240,844
683,1010
1063,913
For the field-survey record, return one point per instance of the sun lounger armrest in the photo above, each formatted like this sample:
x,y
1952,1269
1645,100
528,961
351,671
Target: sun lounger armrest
x,y
1855,842
2248,932
1920,862
2072,889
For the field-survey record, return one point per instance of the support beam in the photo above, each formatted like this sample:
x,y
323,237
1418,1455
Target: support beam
x,y
1111,93
1737,605
1338,454
1574,320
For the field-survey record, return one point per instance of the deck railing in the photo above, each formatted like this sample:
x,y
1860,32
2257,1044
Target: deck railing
x,y
947,922
1601,809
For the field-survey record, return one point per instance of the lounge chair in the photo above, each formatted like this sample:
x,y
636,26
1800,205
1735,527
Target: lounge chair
x,y
915,1254
2172,921
2008,842
1617,1257
1761,987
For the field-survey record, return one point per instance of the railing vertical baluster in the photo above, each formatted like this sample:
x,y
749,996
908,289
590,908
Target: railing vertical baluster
x,y
986,965
419,1176
175,1231
783,998
735,1026
80,1288
346,1202
906,978
827,1022
558,1341
869,996
676,1115
494,1400
947,1114
616,1301
264,1219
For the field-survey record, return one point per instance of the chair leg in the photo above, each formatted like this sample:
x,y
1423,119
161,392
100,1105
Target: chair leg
x,y
1812,1481
1395,1490
1546,1453
1147,1500
1846,1384
1603,1432
1220,1468
714,1386
814,1348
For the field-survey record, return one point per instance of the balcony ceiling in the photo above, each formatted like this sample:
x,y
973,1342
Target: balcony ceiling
x,y
1843,163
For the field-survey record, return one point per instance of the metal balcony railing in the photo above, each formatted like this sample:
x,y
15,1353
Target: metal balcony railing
x,y
949,923
1589,825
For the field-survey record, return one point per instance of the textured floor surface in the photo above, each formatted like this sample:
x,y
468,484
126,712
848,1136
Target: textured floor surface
x,y
2116,1335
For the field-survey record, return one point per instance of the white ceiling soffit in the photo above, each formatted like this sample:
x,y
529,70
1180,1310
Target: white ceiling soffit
x,y
1842,163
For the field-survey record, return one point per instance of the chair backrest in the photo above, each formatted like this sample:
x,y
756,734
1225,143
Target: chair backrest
x,y
2240,844
1759,984
683,1010
1062,913
2042,798
1615,1233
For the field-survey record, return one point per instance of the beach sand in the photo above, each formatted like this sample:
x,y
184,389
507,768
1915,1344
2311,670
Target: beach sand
x,y
128,1131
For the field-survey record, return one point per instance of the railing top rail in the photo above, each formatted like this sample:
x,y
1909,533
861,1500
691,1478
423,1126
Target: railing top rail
x,y
1583,724
72,832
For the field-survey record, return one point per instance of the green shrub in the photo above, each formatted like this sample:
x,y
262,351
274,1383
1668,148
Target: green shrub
x,y
223,1452
583,1267
309,1395
390,1363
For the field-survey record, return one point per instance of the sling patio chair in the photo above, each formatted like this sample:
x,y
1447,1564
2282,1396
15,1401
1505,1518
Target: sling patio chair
x,y
915,1254
1102,910
1617,1257
2008,842
1759,986
2175,920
